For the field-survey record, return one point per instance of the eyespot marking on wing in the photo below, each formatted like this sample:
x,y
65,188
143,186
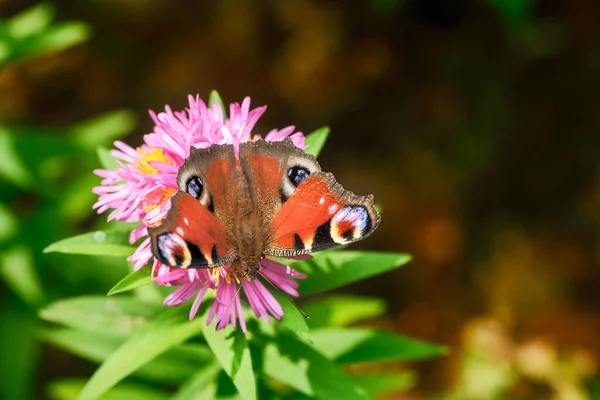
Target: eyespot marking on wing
x,y
194,186
350,223
301,169
173,250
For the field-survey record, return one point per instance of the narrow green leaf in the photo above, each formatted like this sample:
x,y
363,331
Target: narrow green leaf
x,y
215,98
32,21
69,389
18,271
381,383
342,310
19,350
298,365
332,269
292,318
12,167
77,198
104,129
9,223
231,350
315,141
60,36
134,280
5,48
108,243
111,315
106,159
200,386
164,332
172,367
354,345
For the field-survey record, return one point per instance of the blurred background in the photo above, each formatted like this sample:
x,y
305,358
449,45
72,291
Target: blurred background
x,y
474,123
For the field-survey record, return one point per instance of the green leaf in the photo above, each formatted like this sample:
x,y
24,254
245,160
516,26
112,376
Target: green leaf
x,y
298,365
382,383
136,279
164,332
292,318
19,351
106,159
342,310
231,350
108,243
12,167
354,345
173,367
31,21
111,315
215,98
69,389
104,129
60,36
316,140
200,386
8,223
332,269
18,272
77,198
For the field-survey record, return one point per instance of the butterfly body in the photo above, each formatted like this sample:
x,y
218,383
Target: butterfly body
x,y
270,200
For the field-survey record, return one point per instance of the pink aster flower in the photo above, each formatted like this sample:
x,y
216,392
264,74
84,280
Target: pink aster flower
x,y
140,189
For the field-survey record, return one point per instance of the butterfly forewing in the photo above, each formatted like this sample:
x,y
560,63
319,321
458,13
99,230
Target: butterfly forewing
x,y
266,167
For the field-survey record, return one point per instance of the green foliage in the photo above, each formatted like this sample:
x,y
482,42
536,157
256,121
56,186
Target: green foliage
x,y
109,243
31,33
295,358
331,269
46,180
134,280
342,310
381,383
316,140
230,347
142,348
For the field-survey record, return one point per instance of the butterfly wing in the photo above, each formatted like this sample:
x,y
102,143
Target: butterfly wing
x,y
320,215
196,232
272,171
303,209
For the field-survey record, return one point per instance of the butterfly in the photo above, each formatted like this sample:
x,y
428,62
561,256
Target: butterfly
x,y
272,199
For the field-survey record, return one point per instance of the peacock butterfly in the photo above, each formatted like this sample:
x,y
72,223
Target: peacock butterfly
x,y
270,200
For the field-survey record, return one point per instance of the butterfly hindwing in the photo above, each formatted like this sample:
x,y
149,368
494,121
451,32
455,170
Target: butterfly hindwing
x,y
196,231
320,215
190,236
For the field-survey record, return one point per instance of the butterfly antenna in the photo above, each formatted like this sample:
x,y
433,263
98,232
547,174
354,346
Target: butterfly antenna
x,y
237,293
287,296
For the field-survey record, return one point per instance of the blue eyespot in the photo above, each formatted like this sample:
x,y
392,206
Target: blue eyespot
x,y
297,175
195,186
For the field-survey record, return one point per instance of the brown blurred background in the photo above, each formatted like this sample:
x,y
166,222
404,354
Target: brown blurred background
x,y
474,123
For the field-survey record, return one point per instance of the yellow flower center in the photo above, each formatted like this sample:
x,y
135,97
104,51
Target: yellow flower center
x,y
148,154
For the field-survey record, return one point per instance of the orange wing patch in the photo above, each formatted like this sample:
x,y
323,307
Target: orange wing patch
x,y
191,236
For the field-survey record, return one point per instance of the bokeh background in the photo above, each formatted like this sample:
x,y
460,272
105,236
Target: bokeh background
x,y
474,123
